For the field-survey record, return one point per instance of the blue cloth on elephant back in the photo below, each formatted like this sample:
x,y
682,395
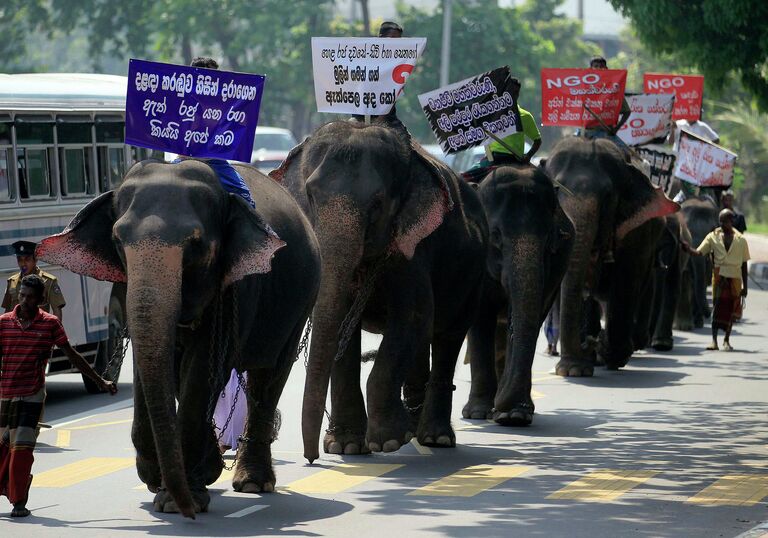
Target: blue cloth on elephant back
x,y
229,178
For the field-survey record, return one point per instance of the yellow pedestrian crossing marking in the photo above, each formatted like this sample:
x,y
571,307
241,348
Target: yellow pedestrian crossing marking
x,y
225,476
536,395
734,490
341,478
80,471
63,438
471,481
100,424
603,486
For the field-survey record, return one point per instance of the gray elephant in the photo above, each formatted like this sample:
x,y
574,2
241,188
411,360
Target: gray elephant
x,y
615,209
210,287
701,217
662,293
530,242
399,229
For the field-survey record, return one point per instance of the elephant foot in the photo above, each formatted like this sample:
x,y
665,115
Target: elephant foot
x,y
345,442
574,368
683,326
163,501
437,435
662,344
254,478
519,414
388,433
149,473
478,408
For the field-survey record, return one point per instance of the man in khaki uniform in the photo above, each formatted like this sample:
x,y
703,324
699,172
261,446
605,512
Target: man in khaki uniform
x,y
53,300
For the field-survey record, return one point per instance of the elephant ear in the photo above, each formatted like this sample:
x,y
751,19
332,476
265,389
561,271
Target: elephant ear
x,y
427,201
639,201
85,246
250,243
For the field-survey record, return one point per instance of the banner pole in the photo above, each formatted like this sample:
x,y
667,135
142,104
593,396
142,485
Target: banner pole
x,y
602,123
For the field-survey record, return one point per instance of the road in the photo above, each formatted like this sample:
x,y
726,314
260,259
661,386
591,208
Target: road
x,y
674,445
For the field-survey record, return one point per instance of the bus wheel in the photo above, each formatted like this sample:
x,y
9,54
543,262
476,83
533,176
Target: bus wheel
x,y
110,372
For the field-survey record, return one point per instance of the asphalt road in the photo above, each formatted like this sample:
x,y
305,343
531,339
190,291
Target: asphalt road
x,y
674,445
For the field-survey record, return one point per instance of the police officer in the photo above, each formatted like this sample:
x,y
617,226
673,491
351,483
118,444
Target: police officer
x,y
53,300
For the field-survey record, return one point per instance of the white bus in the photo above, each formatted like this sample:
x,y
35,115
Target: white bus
x,y
61,144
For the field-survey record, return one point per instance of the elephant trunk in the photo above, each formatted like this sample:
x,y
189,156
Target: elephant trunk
x,y
582,264
154,306
524,276
339,232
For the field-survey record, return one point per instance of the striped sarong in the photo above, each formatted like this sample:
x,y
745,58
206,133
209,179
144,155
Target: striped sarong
x,y
726,297
19,417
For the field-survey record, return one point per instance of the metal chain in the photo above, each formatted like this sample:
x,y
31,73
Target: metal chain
x,y
304,344
118,354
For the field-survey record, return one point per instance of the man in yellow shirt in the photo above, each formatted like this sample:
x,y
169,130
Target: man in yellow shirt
x,y
729,277
500,153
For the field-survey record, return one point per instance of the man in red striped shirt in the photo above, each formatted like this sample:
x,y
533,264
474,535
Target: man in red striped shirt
x,y
27,335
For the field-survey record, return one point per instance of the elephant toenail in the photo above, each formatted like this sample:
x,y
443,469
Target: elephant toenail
x,y
334,447
352,449
391,445
374,447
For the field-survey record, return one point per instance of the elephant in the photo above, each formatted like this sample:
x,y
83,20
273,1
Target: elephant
x,y
613,206
530,242
663,291
701,217
212,284
403,244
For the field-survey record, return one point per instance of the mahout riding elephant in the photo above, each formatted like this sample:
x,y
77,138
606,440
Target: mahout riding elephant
x,y
653,325
615,209
212,284
530,242
701,217
401,230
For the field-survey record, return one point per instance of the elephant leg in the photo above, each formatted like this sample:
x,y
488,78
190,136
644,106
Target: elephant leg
x,y
481,349
407,331
670,294
147,465
647,310
415,387
435,424
683,319
254,472
348,422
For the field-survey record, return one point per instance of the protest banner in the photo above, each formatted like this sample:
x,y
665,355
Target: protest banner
x,y
460,113
651,118
662,161
192,111
567,94
688,90
362,75
703,163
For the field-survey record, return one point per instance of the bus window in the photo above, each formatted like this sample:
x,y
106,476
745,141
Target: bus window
x,y
6,183
111,155
35,159
75,149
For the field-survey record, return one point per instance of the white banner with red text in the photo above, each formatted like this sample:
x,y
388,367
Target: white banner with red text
x,y
703,163
651,118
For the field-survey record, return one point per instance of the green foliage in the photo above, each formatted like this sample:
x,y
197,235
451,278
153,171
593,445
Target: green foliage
x,y
719,37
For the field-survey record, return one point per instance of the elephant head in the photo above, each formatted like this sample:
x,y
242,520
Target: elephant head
x,y
369,195
177,239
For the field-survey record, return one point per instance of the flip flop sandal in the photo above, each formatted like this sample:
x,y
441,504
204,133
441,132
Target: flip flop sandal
x,y
727,347
712,347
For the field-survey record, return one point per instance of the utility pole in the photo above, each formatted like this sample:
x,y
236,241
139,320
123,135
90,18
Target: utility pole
x,y
580,10
445,56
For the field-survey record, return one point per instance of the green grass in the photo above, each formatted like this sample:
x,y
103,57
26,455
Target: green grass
x,y
757,228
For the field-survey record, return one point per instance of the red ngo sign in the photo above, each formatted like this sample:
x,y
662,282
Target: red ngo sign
x,y
688,90
567,95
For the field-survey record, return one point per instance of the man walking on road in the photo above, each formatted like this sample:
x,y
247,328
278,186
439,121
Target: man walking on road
x,y
27,335
729,275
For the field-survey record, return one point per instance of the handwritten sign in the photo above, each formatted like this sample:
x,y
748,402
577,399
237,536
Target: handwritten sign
x,y
567,93
191,110
688,90
662,161
703,163
651,118
361,75
460,113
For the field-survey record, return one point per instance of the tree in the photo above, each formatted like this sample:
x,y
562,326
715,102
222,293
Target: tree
x,y
720,37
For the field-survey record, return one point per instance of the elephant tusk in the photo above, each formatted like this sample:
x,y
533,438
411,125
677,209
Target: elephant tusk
x,y
561,186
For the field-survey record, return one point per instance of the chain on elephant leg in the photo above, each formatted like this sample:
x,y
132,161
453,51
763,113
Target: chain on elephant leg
x,y
254,472
435,423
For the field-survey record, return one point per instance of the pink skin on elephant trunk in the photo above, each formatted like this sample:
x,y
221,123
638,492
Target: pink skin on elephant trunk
x,y
339,232
154,304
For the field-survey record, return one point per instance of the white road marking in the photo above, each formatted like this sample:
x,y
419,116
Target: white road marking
x,y
249,510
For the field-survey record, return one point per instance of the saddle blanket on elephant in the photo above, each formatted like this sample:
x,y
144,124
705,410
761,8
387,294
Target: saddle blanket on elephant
x,y
726,296
19,417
